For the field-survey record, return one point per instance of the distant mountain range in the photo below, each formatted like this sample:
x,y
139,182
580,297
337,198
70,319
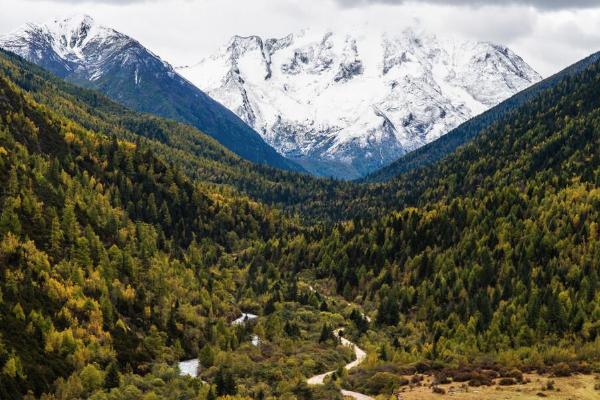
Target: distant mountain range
x,y
83,52
344,105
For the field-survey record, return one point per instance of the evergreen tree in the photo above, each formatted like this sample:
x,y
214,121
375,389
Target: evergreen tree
x,y
113,377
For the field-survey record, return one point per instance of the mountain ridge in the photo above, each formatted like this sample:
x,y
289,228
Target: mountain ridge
x,y
88,54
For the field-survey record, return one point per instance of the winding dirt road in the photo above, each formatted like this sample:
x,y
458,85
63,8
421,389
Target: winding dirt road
x,y
360,357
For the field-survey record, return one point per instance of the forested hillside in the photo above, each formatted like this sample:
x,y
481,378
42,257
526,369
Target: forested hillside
x,y
110,258
195,153
129,243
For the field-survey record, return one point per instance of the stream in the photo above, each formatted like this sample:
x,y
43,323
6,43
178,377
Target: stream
x,y
190,367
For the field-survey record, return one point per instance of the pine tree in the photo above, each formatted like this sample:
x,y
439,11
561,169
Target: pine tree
x,y
207,356
230,385
383,353
225,383
211,395
326,333
69,223
324,306
113,377
56,237
151,209
220,382
9,218
165,215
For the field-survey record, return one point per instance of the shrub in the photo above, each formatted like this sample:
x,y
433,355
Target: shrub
x,y
481,381
491,373
438,390
549,386
462,376
513,373
478,379
561,370
422,366
440,378
507,382
385,382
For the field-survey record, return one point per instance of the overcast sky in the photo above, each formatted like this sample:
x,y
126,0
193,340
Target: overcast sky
x,y
548,34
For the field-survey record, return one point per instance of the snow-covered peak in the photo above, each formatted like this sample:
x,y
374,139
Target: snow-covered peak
x,y
346,103
78,45
70,36
75,24
240,44
67,37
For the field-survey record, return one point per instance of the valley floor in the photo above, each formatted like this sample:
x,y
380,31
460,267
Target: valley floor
x,y
577,387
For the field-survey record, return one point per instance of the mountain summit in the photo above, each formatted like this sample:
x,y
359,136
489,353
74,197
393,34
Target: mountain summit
x,y
86,53
71,46
345,104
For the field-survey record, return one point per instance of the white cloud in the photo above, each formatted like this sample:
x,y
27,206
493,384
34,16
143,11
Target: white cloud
x,y
184,31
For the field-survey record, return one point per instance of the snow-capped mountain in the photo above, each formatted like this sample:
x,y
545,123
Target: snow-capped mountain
x,y
75,45
345,104
84,52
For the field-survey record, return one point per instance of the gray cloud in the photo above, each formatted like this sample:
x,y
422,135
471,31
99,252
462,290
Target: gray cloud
x,y
538,4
